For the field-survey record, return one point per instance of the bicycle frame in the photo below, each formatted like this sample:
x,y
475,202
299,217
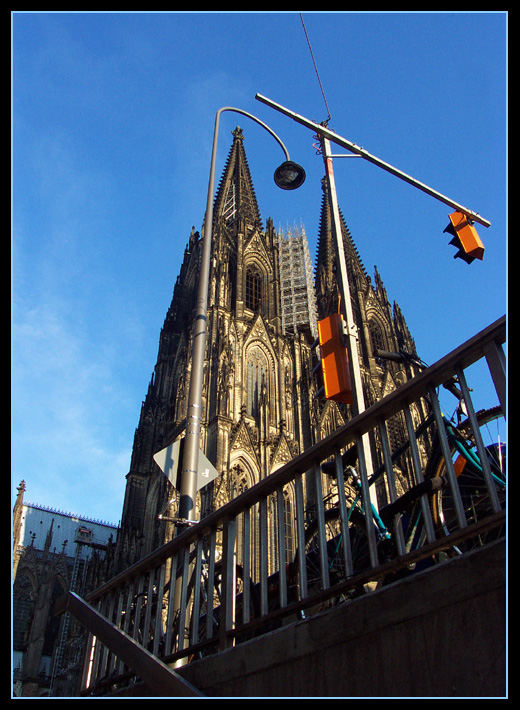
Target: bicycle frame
x,y
383,532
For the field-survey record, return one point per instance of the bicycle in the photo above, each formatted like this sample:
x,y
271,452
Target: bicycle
x,y
400,526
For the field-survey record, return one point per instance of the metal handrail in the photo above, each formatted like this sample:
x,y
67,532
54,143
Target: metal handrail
x,y
434,376
147,576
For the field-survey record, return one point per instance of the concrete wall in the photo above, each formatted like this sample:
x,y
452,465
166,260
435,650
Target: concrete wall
x,y
439,633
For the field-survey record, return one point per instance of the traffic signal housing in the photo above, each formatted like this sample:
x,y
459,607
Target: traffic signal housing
x,y
465,237
334,359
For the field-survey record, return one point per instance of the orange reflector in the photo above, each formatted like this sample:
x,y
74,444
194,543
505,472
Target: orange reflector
x,y
459,464
334,359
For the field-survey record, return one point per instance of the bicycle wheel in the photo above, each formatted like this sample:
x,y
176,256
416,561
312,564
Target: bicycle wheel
x,y
335,553
470,478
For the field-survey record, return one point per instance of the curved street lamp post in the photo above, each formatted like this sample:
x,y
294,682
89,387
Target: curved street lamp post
x,y
288,176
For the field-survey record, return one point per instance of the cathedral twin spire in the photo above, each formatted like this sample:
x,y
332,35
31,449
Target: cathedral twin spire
x,y
235,195
258,366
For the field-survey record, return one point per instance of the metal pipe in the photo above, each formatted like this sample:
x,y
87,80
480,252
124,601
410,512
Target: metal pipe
x,y
346,304
324,132
322,533
446,453
280,514
190,459
419,478
343,515
496,362
484,461
302,567
390,478
367,508
264,604
246,566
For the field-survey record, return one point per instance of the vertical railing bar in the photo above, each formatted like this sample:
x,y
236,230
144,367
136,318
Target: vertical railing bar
x,y
107,653
170,617
322,537
157,632
300,531
211,583
445,448
117,622
495,503
128,607
138,607
184,598
419,478
496,362
102,649
264,605
95,663
195,614
282,571
342,504
148,609
389,470
246,566
86,677
367,507
227,616
128,613
86,661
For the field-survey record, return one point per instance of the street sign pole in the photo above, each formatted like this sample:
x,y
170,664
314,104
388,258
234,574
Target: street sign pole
x,y
346,304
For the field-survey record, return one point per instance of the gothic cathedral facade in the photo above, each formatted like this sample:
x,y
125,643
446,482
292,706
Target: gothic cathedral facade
x,y
261,405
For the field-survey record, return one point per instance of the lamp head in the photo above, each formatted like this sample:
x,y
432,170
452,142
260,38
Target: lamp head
x,y
289,175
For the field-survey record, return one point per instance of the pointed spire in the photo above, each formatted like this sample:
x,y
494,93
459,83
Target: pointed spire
x,y
380,288
404,337
17,524
326,288
235,195
19,498
48,539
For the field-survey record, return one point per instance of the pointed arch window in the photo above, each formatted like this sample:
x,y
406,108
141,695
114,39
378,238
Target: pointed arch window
x,y
260,384
256,379
377,339
253,288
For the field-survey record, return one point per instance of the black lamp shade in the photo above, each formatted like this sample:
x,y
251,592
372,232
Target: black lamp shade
x,y
289,175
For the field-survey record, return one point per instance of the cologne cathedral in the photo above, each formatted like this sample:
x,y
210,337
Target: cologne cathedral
x,y
261,400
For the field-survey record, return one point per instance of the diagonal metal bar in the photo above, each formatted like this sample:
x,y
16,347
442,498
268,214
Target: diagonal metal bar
x,y
155,674
324,132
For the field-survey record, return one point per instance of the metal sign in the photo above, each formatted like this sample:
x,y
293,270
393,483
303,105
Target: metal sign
x,y
169,459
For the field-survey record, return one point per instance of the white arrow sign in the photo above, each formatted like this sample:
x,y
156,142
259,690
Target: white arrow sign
x,y
169,458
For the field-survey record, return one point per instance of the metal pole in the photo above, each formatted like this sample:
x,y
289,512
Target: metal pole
x,y
344,287
324,132
190,459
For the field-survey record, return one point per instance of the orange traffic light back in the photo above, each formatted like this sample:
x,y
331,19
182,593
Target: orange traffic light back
x,y
465,237
334,359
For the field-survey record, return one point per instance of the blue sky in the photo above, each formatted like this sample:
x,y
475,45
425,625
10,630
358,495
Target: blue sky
x,y
112,128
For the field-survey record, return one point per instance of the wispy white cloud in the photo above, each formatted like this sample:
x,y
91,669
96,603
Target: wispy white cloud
x,y
66,442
